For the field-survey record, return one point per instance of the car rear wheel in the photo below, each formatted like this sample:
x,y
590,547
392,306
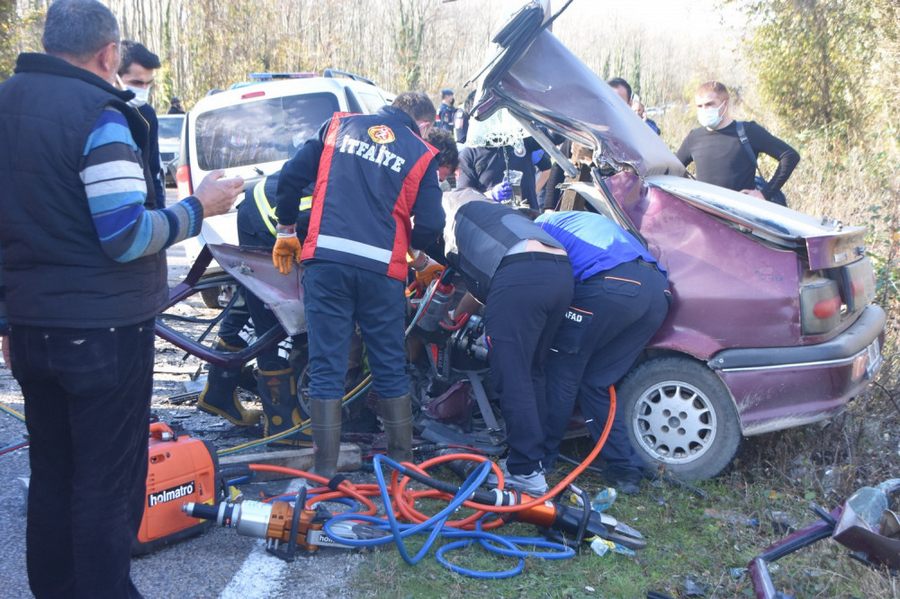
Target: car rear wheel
x,y
679,413
210,297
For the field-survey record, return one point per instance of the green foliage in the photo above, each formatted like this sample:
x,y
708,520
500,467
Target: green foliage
x,y
814,57
412,20
20,31
635,77
7,37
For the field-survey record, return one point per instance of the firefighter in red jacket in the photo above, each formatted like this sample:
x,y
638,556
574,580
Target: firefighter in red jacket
x,y
372,175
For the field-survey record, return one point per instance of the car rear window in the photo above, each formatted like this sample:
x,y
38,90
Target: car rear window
x,y
170,128
260,131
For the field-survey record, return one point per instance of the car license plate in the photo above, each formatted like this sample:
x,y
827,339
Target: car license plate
x,y
875,359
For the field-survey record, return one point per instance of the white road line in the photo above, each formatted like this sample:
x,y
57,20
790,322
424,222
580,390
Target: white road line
x,y
260,576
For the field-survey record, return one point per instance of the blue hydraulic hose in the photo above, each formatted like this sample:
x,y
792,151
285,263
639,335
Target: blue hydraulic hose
x,y
508,546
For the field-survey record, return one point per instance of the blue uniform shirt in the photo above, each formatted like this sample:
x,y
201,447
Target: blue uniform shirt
x,y
593,242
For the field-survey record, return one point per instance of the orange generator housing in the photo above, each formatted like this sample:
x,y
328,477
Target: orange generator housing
x,y
180,470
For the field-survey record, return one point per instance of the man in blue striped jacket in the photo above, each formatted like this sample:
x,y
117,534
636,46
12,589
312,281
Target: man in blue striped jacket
x,y
83,277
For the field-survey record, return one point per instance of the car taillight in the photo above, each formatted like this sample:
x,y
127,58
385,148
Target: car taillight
x,y
820,306
857,284
183,180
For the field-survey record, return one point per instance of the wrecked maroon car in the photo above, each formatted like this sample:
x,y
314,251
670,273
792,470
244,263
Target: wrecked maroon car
x,y
771,325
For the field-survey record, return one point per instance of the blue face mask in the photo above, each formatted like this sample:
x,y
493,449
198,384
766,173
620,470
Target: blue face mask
x,y
711,117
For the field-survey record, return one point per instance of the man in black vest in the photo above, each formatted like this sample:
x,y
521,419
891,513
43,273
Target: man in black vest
x,y
83,277
373,174
523,277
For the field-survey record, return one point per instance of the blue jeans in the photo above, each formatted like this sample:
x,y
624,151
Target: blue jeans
x,y
87,403
335,297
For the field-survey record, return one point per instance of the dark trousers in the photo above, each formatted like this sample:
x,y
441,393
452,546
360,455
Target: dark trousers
x,y
528,297
87,403
237,317
337,295
616,313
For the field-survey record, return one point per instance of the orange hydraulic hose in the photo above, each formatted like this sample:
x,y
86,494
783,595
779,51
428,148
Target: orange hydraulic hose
x,y
416,516
360,493
404,499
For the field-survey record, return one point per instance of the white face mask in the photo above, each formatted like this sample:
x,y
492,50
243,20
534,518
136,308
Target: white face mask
x,y
141,95
711,117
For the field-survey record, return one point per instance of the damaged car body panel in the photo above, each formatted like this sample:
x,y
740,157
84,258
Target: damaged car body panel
x,y
774,302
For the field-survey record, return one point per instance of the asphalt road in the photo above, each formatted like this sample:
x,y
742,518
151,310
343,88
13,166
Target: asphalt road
x,y
219,563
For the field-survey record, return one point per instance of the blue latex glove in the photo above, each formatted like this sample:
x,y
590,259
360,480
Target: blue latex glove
x,y
501,191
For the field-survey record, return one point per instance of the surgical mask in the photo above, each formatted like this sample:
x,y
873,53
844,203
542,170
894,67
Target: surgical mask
x,y
710,117
141,95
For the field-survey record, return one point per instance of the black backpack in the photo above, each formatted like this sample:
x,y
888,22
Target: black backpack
x,y
762,185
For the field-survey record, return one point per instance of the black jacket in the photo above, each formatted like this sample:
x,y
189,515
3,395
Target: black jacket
x,y
54,269
480,233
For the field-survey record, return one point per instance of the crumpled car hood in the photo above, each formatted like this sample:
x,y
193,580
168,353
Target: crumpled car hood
x,y
540,81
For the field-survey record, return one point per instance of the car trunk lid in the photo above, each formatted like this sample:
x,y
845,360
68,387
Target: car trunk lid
x,y
538,79
828,243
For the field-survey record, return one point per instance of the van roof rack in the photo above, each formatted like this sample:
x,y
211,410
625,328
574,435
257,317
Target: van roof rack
x,y
339,73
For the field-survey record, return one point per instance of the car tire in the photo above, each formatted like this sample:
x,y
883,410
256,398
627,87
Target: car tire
x,y
680,414
210,297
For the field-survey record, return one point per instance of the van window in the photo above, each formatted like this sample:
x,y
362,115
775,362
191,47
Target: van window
x,y
260,131
371,102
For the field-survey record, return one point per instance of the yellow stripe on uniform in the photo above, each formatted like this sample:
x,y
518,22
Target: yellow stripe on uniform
x,y
267,211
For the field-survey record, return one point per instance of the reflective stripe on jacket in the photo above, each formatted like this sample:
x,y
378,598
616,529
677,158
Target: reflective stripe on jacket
x,y
267,210
367,183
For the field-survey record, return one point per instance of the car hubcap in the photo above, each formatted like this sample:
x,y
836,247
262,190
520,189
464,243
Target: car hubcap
x,y
674,422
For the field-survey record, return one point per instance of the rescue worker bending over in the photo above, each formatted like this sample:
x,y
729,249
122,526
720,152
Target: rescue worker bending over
x,y
371,173
523,277
620,302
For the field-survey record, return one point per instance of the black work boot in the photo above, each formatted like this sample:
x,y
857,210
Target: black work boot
x,y
278,391
326,432
396,414
219,397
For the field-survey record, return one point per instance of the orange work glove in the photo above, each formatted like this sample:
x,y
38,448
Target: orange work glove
x,y
285,253
431,271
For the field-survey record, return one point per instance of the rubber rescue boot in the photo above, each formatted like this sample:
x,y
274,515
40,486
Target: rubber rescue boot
x,y
396,414
219,397
281,409
326,430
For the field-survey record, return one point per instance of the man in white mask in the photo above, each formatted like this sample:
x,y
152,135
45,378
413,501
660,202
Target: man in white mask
x,y
137,72
723,158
